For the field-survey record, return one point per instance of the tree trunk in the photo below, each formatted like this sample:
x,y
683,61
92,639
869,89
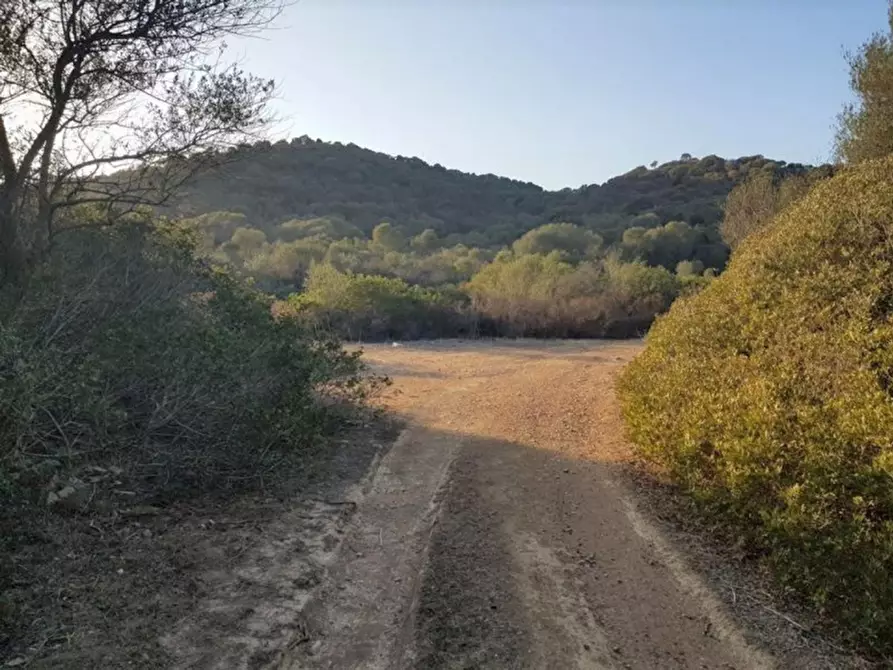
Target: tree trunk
x,y
13,262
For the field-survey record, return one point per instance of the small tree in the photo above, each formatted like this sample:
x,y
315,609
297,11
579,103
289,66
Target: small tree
x,y
865,129
388,238
90,87
750,205
248,240
689,268
755,202
572,242
426,241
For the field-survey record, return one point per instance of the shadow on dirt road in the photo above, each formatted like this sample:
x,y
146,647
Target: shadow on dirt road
x,y
502,531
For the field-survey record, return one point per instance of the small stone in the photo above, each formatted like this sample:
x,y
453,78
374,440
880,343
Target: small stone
x,y
143,510
73,497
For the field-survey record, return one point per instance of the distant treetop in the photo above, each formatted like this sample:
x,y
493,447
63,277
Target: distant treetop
x,y
304,178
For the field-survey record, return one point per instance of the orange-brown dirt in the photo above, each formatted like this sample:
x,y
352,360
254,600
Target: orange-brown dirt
x,y
503,530
508,526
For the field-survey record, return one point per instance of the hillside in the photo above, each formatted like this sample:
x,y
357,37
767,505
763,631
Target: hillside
x,y
379,246
305,178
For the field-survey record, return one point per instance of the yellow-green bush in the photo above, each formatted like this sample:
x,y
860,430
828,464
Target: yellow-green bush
x,y
769,396
536,295
362,307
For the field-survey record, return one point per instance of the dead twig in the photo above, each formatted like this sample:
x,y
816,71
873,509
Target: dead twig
x,y
791,621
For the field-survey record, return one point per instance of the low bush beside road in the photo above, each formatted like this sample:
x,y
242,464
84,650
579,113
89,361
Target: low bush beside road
x,y
133,377
769,397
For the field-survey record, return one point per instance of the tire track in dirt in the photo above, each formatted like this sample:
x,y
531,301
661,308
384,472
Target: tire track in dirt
x,y
499,531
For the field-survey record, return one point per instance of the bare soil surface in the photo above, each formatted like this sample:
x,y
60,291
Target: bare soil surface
x,y
203,582
510,527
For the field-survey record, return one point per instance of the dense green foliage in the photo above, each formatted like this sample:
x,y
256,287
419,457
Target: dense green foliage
x,y
557,280
769,396
307,179
865,129
125,349
418,242
369,307
569,241
530,295
544,296
753,203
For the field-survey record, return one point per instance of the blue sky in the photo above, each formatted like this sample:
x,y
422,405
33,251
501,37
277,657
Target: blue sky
x,y
569,92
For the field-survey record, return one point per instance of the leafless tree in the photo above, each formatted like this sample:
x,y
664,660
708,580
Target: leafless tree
x,y
131,87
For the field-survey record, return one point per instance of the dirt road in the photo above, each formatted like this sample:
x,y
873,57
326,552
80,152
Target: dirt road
x,y
503,528
497,533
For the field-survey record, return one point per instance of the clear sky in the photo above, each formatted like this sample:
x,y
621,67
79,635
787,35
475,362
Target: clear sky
x,y
566,92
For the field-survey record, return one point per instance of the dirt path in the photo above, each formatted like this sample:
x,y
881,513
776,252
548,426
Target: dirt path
x,y
497,533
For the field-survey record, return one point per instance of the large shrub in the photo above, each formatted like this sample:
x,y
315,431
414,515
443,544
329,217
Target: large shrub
x,y
371,307
769,396
544,296
125,349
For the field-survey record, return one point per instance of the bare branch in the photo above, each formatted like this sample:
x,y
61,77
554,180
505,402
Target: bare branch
x,y
118,84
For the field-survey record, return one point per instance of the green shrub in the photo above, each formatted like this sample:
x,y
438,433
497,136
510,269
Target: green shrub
x,y
572,242
126,349
370,307
521,293
529,295
545,296
769,396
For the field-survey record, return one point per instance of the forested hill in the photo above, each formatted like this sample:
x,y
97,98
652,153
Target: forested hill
x,y
304,178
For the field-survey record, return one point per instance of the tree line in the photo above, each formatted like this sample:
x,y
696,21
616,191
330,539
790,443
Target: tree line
x,y
305,179
272,212
557,280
